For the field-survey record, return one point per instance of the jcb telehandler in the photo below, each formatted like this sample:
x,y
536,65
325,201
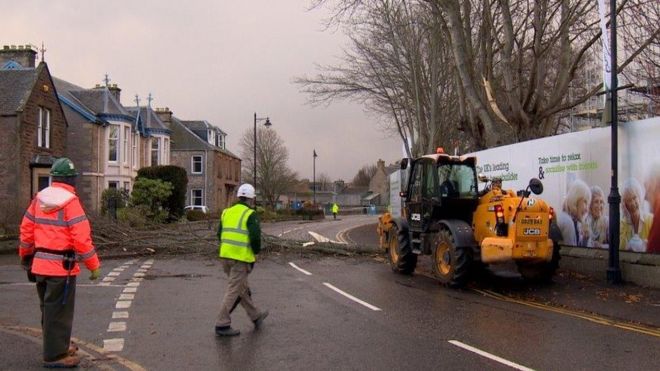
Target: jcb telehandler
x,y
445,216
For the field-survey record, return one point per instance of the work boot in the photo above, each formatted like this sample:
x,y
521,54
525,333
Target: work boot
x,y
226,331
73,348
257,322
66,362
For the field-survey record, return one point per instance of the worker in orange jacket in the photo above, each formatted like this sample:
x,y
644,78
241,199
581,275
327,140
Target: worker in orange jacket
x,y
55,235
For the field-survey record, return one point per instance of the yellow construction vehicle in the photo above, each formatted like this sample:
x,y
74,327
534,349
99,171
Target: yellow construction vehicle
x,y
444,215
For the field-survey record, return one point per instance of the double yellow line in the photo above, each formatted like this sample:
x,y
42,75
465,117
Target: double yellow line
x,y
647,330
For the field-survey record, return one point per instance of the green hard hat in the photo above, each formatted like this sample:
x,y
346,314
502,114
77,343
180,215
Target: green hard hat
x,y
63,167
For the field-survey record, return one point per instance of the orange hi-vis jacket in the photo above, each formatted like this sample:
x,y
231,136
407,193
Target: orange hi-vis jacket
x,y
55,223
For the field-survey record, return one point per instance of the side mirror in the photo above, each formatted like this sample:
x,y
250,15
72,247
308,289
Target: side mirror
x,y
482,178
536,186
404,163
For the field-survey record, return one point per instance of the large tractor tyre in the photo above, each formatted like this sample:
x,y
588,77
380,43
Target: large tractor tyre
x,y
541,272
451,263
399,251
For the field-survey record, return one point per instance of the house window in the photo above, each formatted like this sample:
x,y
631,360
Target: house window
x,y
136,137
44,182
211,135
197,165
113,185
127,186
155,155
127,133
221,141
166,151
196,196
113,143
43,128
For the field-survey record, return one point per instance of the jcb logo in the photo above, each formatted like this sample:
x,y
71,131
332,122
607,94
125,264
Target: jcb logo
x,y
416,217
532,232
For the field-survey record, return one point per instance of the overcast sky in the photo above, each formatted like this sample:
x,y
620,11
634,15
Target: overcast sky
x,y
210,59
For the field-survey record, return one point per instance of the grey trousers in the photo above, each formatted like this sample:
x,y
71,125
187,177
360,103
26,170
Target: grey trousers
x,y
237,290
56,316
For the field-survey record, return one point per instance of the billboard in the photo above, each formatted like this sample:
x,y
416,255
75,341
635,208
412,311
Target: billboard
x,y
575,171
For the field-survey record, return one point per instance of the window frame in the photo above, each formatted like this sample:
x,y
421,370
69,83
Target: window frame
x,y
156,151
43,127
116,143
201,164
201,197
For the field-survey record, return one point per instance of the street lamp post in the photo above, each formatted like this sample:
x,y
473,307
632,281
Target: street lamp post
x,y
254,173
614,199
314,176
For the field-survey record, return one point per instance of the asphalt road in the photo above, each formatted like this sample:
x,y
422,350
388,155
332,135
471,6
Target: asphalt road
x,y
325,313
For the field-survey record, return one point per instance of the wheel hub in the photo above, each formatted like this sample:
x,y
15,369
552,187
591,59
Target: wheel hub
x,y
443,259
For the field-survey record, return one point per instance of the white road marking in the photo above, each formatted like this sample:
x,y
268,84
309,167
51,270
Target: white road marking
x,y
137,279
300,269
130,289
113,345
142,270
150,261
114,274
310,243
117,315
119,269
133,284
123,304
319,237
117,327
372,307
490,356
138,274
109,279
145,266
126,296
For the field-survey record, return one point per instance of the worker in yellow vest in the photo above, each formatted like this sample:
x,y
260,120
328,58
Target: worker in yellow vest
x,y
335,210
240,240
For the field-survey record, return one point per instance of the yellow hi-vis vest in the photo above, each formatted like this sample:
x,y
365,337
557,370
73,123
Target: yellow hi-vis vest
x,y
234,240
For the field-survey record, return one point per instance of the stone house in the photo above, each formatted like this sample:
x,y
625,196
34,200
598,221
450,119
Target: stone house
x,y
107,142
200,148
33,131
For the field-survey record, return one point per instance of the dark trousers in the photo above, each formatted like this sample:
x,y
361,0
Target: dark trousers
x,y
56,316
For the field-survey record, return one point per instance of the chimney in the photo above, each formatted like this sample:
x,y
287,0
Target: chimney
x,y
165,115
23,54
115,91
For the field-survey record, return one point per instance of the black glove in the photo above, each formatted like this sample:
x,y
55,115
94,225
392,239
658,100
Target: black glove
x,y
26,264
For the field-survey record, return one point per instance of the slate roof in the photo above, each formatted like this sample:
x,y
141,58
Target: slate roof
x,y
100,100
184,138
149,119
65,90
15,88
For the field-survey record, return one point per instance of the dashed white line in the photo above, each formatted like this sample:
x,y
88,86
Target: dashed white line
x,y
117,327
114,274
126,296
130,289
133,284
109,279
118,315
490,356
300,269
123,304
362,302
113,345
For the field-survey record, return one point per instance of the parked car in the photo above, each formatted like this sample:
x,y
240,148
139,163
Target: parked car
x,y
201,208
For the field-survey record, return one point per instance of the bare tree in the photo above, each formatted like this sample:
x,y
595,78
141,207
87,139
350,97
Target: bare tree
x,y
398,67
274,177
364,175
489,72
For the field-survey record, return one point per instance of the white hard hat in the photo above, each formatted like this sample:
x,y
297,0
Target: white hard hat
x,y
245,190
